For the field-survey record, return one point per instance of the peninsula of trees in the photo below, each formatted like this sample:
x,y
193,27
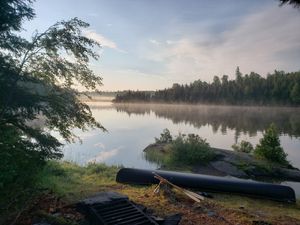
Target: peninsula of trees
x,y
278,88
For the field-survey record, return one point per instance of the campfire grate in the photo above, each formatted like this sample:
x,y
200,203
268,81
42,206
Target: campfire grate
x,y
119,212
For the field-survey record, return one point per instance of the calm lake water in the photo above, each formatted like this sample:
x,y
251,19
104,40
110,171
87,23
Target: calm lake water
x,y
131,127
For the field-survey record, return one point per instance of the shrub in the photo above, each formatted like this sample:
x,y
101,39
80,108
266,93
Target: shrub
x,y
244,146
165,137
269,147
19,161
190,149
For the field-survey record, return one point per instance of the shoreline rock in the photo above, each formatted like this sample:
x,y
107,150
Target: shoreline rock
x,y
236,164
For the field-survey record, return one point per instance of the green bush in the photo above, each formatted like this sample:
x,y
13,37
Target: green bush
x,y
269,147
165,137
20,160
190,149
244,146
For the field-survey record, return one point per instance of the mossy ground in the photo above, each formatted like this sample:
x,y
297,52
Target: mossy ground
x,y
63,184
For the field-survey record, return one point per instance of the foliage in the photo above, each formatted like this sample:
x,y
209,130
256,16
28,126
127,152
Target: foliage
x,y
71,180
37,80
244,146
277,88
165,137
12,14
134,96
64,180
295,3
190,149
19,159
269,147
181,151
295,93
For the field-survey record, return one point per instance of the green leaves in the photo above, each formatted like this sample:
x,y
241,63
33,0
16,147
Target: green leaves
x,y
269,147
244,146
43,80
12,14
165,137
295,93
37,80
190,150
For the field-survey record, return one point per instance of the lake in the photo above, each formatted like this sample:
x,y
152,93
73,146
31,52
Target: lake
x,y
131,127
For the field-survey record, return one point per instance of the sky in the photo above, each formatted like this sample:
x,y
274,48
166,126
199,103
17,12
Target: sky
x,y
151,44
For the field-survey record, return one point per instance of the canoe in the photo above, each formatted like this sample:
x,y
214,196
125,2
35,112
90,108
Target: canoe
x,y
209,183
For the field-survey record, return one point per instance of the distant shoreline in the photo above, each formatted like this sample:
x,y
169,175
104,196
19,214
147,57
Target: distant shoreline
x,y
111,99
208,104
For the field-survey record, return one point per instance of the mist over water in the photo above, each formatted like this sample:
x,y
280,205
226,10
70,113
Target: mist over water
x,y
247,120
131,127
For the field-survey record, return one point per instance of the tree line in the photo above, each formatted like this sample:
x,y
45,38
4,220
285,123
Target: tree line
x,y
250,89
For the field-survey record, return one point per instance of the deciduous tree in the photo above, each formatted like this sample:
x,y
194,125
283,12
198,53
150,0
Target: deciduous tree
x,y
37,80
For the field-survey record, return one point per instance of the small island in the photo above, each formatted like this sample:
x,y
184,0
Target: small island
x,y
192,153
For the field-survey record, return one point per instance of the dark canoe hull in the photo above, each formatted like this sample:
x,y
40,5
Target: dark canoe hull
x,y
209,183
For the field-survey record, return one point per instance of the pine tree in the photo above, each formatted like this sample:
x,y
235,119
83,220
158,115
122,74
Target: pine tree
x,y
269,147
238,75
295,93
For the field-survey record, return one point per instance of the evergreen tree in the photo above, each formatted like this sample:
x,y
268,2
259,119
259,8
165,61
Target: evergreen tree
x,y
269,147
295,93
238,74
277,88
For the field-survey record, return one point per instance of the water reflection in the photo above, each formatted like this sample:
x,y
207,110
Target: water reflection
x,y
132,127
244,120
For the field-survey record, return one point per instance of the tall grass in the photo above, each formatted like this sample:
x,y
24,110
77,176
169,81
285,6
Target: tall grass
x,y
73,181
67,180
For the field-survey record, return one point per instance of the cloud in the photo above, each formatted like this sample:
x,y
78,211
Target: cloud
x,y
169,42
100,145
104,155
105,42
153,41
260,42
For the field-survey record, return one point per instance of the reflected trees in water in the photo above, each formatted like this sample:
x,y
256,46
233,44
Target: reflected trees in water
x,y
246,120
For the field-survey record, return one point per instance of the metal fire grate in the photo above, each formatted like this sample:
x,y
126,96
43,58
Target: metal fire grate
x,y
119,212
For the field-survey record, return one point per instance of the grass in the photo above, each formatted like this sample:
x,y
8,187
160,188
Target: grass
x,y
71,183
64,180
232,208
253,206
74,182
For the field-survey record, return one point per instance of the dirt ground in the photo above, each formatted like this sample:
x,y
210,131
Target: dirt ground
x,y
219,210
